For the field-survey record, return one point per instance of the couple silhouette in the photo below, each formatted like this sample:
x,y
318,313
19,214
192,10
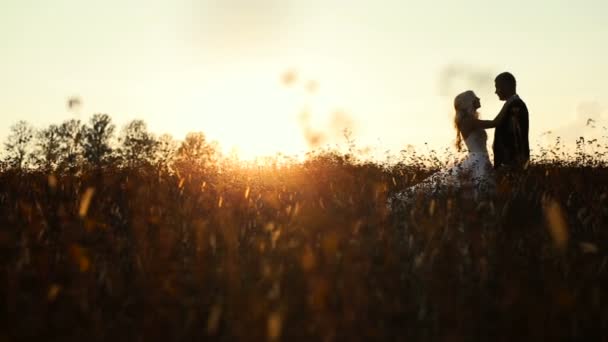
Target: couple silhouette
x,y
475,176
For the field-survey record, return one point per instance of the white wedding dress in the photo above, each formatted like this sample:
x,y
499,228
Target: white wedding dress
x,y
472,177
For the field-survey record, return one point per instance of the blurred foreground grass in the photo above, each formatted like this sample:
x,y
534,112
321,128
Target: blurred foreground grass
x,y
301,251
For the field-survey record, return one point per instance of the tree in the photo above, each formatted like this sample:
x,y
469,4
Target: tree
x,y
18,145
70,135
48,150
96,142
195,153
165,152
138,146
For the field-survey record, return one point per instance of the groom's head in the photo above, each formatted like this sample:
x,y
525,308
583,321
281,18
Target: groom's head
x,y
505,85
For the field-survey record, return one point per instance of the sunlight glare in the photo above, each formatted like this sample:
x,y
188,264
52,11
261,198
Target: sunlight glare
x,y
253,115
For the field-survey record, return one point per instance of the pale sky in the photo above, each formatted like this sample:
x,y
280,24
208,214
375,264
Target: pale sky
x,y
216,66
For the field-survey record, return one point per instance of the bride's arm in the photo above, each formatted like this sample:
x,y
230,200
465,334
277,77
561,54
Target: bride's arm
x,y
485,124
470,124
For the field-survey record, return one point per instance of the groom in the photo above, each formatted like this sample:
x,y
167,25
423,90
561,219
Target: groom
x,y
511,147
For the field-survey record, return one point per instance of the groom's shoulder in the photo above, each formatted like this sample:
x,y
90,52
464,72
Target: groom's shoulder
x,y
518,106
521,102
518,102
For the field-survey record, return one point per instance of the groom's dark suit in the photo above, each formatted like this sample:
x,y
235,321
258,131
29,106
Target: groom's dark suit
x,y
511,147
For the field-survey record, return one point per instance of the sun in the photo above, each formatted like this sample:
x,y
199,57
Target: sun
x,y
250,117
253,114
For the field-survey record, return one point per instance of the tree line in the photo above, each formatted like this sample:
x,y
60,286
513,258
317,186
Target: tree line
x,y
74,145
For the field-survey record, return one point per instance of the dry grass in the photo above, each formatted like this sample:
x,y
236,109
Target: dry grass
x,y
301,251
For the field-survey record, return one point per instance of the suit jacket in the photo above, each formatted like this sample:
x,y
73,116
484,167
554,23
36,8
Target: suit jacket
x,y
511,147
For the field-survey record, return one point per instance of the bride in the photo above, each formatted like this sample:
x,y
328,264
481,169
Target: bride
x,y
473,176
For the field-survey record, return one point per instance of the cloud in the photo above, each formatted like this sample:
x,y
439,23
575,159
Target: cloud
x,y
456,78
589,110
589,123
74,103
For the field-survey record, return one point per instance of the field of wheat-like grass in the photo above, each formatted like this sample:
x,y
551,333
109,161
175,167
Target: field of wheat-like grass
x,y
301,251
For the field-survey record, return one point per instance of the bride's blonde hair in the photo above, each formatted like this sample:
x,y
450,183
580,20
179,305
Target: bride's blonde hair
x,y
463,106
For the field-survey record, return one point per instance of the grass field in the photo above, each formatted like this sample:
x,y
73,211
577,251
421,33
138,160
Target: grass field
x,y
301,251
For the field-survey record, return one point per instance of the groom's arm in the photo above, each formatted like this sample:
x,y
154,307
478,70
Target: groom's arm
x,y
519,124
523,120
